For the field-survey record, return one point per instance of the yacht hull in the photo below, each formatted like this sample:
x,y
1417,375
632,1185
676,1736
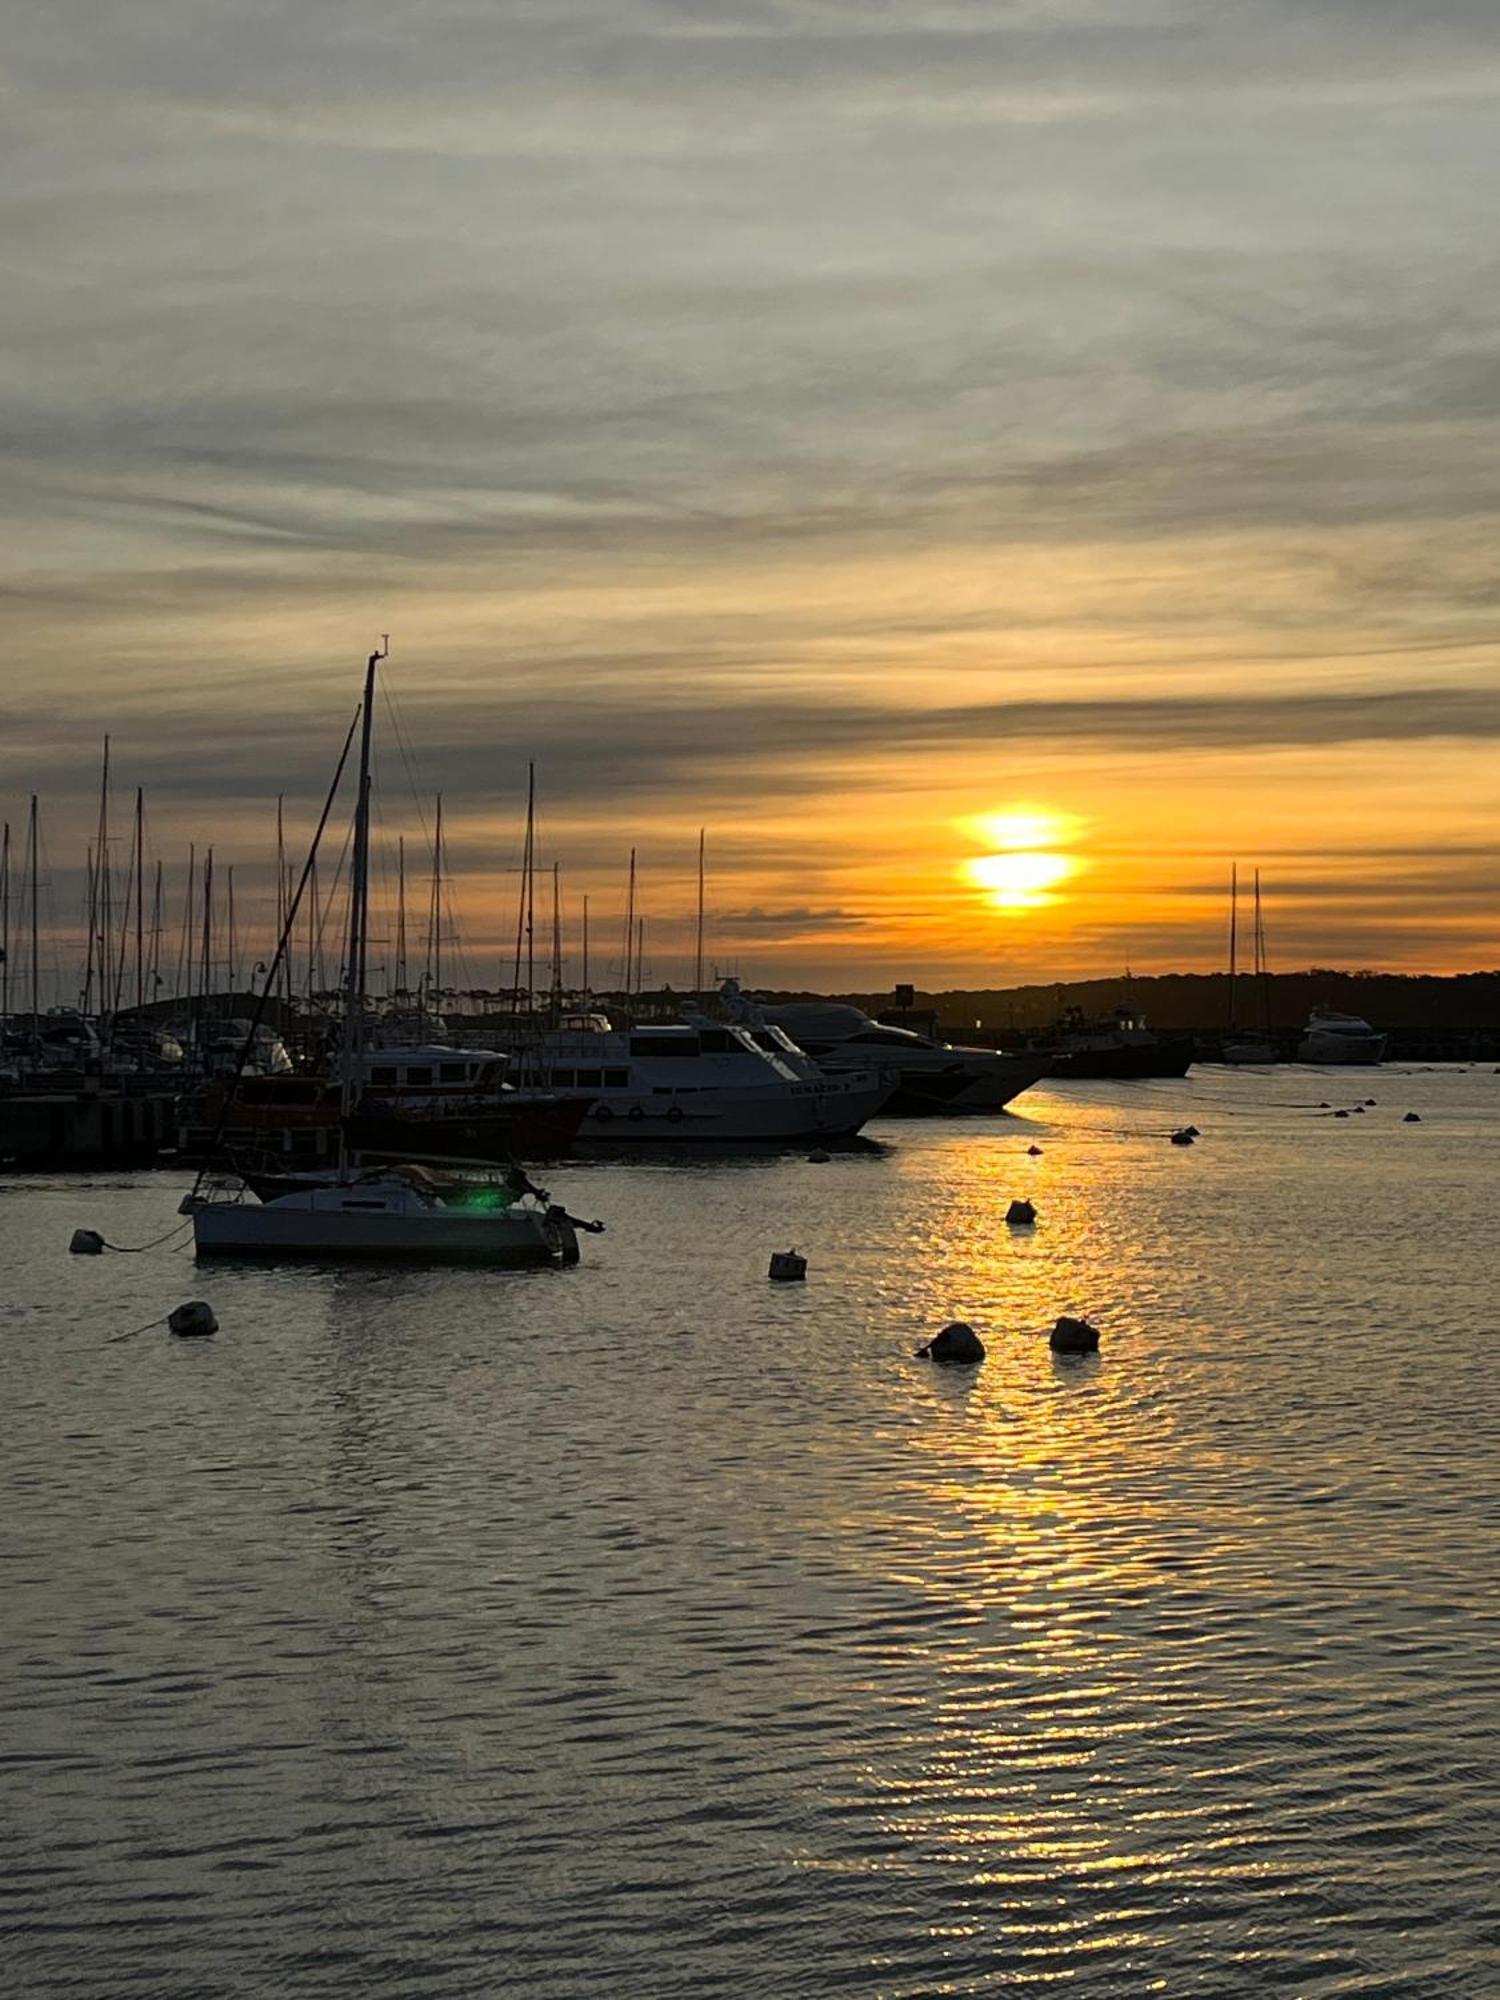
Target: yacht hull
x,y
732,1118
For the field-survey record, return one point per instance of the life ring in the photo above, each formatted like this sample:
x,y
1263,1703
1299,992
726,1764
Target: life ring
x,y
635,1114
602,1114
674,1116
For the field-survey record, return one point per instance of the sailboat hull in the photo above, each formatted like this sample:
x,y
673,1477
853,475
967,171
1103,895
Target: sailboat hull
x,y
281,1231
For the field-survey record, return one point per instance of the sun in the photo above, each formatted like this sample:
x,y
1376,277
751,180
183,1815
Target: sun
x,y
1030,867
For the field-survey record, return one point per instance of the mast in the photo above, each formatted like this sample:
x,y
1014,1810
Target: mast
x,y
698,959
92,905
231,931
4,933
525,907
154,980
1234,936
284,975
401,913
205,965
1263,970
629,925
557,981
435,909
352,1042
640,953
102,880
140,902
182,974
36,960
585,952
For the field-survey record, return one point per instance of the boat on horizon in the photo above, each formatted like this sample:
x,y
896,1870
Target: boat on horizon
x,y
1334,1038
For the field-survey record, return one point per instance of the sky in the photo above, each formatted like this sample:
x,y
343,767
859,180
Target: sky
x,y
992,466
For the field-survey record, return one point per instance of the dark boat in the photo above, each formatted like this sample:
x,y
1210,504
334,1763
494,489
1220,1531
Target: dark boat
x,y
514,1126
1119,1047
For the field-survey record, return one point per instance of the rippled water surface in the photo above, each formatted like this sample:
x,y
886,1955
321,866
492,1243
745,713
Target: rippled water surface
x,y
648,1629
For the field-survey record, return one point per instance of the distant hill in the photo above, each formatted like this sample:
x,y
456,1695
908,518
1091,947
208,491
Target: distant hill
x,y
1464,1004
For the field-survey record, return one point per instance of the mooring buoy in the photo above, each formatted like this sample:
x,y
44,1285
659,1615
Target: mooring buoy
x,y
192,1321
86,1243
787,1267
1021,1214
957,1346
1074,1336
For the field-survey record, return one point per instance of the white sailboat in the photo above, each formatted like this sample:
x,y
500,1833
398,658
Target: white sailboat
x,y
395,1212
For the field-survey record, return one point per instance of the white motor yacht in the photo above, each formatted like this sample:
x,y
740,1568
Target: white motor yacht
x,y
694,1083
928,1077
1340,1038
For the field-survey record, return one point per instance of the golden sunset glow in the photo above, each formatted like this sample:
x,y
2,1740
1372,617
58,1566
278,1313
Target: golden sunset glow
x,y
1029,869
1019,881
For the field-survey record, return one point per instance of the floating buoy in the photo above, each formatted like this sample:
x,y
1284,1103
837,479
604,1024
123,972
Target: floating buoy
x,y
86,1243
1020,1215
1036,1151
1323,1104
1412,1118
1369,1100
193,1321
819,1158
957,1346
1192,1131
1341,1113
1074,1336
1359,1110
1183,1138
787,1266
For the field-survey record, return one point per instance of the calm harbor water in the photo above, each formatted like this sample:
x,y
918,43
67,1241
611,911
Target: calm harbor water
x,y
647,1629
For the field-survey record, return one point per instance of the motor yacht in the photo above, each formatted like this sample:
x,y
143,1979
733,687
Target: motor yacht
x,y
694,1083
927,1077
1340,1038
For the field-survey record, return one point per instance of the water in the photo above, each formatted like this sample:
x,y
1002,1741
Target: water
x,y
648,1629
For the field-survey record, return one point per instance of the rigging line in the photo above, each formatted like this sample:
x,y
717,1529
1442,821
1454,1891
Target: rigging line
x,y
273,968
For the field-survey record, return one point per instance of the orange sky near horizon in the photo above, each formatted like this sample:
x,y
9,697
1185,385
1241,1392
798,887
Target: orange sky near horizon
x,y
767,434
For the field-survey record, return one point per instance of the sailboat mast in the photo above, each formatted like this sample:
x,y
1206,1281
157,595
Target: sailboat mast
x,y
530,887
92,904
4,931
629,925
36,961
435,907
140,902
1234,936
698,959
103,885
1263,970
585,951
557,978
640,952
352,1041
232,953
154,978
401,913
205,959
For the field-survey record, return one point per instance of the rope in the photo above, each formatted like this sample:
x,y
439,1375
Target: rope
x,y
135,1249
135,1330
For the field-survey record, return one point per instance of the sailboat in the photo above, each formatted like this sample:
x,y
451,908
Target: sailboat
x,y
393,1212
1239,1049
